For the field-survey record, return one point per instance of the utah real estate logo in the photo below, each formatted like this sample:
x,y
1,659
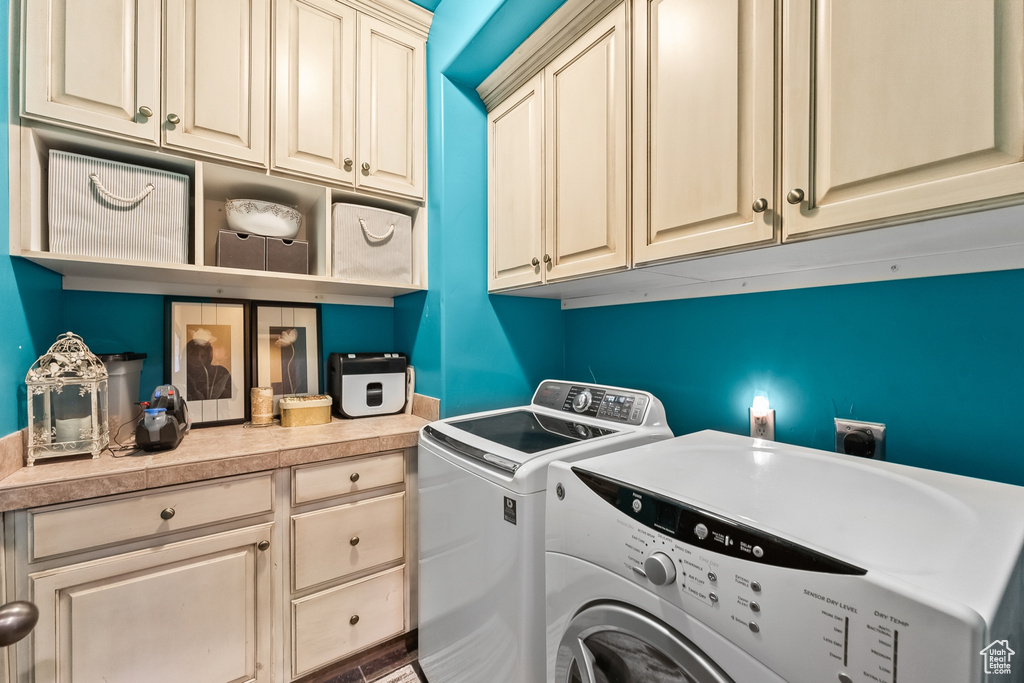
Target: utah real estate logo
x,y
997,657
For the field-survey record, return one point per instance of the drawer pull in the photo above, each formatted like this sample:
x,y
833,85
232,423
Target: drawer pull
x,y
354,541
354,619
354,477
173,119
263,545
166,513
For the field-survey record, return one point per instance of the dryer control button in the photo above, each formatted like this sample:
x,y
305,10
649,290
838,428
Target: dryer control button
x,y
637,505
843,678
713,597
660,569
758,552
754,627
712,577
754,607
755,586
701,531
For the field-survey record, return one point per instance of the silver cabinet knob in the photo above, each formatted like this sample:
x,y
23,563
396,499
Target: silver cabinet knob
x,y
166,513
547,258
354,541
795,196
366,166
760,205
16,620
354,619
534,262
145,111
173,119
263,545
347,161
660,570
354,477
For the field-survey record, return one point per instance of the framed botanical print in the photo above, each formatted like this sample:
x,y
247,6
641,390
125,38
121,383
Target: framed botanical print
x,y
207,358
286,349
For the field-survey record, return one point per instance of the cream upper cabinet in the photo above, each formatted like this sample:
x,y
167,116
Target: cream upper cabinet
x,y
391,93
98,64
94,64
215,77
703,126
314,88
585,163
515,187
894,109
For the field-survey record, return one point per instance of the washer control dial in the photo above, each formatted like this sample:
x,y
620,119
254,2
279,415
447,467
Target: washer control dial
x,y
660,569
582,401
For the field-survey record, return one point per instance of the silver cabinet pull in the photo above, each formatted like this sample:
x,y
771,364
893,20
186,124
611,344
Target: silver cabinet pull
x,y
166,513
760,205
173,119
16,620
354,477
795,196
366,166
263,545
547,258
535,262
354,619
354,541
145,111
347,161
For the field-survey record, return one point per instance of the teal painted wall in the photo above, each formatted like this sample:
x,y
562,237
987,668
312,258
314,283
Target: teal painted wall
x,y
471,350
940,361
30,297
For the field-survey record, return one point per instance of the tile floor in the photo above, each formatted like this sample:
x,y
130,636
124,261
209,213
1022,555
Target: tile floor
x,y
375,665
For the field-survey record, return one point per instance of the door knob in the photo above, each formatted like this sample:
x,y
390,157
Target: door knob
x,y
347,161
535,262
145,111
16,620
760,205
547,258
354,541
795,196
366,166
173,119
263,545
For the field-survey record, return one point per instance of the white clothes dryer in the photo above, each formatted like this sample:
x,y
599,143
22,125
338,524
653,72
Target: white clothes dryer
x,y
481,522
715,558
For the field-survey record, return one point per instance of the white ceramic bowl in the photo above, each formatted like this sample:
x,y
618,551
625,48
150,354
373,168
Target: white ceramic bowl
x,y
258,217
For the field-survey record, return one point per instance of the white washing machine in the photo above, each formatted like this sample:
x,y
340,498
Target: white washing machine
x,y
718,558
481,522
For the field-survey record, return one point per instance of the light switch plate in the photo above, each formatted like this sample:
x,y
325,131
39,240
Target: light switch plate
x,y
874,429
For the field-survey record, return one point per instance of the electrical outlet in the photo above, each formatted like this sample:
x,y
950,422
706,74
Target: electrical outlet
x,y
763,428
863,439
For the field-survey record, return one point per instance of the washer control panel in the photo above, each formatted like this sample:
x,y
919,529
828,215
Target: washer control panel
x,y
808,616
590,400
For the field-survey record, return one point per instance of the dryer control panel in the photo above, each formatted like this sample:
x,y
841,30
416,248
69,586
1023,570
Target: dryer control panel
x,y
591,400
808,616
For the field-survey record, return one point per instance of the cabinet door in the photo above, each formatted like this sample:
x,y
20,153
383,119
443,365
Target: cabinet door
x,y
703,126
215,78
94,63
896,109
515,189
314,88
392,109
196,611
585,152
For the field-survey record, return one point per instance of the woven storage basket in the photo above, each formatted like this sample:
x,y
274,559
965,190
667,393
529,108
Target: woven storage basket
x,y
372,244
114,210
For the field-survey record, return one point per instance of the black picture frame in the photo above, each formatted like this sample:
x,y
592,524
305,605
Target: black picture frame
x,y
279,328
207,358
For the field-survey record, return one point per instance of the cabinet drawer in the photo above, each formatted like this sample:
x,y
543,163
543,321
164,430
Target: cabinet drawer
x,y
332,543
323,626
342,477
135,517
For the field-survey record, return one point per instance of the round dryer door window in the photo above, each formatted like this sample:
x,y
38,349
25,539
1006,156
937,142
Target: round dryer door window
x,y
611,643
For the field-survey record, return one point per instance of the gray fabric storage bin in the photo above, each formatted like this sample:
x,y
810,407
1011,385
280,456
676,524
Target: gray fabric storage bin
x,y
287,256
237,250
370,244
114,210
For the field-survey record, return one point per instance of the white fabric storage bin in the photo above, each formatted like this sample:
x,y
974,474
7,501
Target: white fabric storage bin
x,y
372,244
114,210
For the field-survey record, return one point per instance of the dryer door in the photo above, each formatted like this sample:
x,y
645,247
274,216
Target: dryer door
x,y
611,643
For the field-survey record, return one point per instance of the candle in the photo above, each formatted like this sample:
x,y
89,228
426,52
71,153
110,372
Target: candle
x,y
262,405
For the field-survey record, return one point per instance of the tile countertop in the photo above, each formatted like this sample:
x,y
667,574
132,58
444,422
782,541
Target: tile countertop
x,y
205,453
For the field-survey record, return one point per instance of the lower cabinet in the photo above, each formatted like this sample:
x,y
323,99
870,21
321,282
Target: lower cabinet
x,y
248,579
348,572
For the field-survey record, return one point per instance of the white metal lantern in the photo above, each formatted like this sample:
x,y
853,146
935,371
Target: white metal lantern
x,y
67,401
